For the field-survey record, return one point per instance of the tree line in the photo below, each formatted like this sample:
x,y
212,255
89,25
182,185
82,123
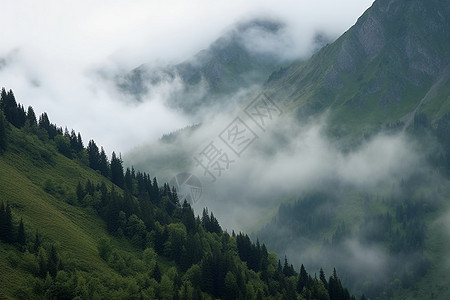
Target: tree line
x,y
209,262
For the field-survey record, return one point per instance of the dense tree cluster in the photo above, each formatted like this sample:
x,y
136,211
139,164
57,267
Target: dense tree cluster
x,y
207,262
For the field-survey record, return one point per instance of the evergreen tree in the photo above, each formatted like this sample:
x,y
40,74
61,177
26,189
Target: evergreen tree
x,y
128,180
2,222
231,288
3,96
80,192
156,274
31,117
37,244
44,121
7,234
117,170
21,234
103,164
42,262
53,262
323,278
303,279
80,145
3,138
94,155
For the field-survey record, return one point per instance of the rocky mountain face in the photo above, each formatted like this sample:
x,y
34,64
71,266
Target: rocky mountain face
x,y
393,62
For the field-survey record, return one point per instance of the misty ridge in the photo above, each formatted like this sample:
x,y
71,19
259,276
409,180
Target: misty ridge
x,y
111,52
289,158
333,151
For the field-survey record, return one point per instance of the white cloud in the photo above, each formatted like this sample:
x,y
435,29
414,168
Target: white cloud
x,y
52,49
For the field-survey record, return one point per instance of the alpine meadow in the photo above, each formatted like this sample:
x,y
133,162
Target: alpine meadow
x,y
236,150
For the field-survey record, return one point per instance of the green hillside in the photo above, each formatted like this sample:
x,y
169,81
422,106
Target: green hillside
x,y
392,63
69,232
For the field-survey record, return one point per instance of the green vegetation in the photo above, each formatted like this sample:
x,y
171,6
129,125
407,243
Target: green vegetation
x,y
74,225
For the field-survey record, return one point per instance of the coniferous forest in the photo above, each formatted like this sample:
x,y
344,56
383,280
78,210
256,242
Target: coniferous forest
x,y
308,146
166,251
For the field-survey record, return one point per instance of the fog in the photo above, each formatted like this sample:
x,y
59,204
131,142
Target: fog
x,y
58,55
287,159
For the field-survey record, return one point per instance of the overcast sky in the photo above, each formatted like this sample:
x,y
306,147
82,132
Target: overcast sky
x,y
51,53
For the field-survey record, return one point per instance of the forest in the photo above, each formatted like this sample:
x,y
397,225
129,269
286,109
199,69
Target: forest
x,y
168,252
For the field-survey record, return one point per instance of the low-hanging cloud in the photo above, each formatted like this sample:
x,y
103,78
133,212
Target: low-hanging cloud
x,y
282,163
52,51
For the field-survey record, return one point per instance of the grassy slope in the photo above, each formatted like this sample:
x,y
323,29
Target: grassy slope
x,y
76,230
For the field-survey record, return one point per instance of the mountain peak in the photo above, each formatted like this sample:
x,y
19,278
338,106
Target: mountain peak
x,y
379,71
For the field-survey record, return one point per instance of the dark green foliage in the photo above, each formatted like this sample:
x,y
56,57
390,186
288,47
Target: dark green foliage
x,y
323,279
6,223
104,164
335,289
50,128
156,274
37,243
303,279
128,180
63,145
3,138
31,117
80,192
94,155
201,257
251,253
53,262
210,223
21,238
104,248
14,113
288,270
231,288
117,170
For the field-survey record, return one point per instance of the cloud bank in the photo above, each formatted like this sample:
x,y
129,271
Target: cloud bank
x,y
52,53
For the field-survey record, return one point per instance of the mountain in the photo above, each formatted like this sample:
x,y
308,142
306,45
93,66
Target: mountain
x,y
388,74
394,62
214,74
74,225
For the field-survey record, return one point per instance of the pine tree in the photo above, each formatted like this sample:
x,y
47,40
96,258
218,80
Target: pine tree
x,y
21,234
3,138
8,226
156,274
37,243
117,170
302,279
80,192
31,117
94,155
53,262
3,96
128,180
80,145
2,222
323,278
42,263
103,164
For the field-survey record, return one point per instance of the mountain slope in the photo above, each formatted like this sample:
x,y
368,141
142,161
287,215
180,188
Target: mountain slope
x,y
225,67
378,72
389,73
67,231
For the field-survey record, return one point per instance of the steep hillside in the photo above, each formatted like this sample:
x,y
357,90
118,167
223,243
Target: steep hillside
x,y
393,62
73,224
389,73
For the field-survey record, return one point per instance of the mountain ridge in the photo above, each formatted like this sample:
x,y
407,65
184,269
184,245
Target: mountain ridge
x,y
379,69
